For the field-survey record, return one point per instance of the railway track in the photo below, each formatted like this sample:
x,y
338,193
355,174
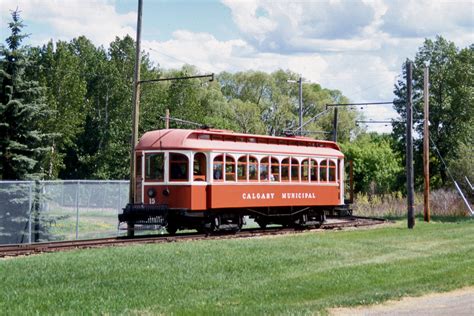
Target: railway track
x,y
43,247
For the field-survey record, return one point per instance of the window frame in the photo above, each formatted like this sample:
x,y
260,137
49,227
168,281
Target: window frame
x,y
286,164
245,164
200,177
232,165
292,160
302,167
332,166
147,168
222,164
267,166
253,161
323,165
314,167
185,163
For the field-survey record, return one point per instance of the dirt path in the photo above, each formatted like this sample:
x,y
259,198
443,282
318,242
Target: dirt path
x,y
458,302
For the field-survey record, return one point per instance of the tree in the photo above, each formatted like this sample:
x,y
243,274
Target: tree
x,y
57,68
451,98
23,143
277,101
376,165
247,117
22,109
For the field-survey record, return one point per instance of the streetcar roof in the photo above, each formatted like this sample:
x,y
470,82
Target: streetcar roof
x,y
228,141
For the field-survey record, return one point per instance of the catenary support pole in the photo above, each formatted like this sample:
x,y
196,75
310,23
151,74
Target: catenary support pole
x,y
167,119
426,146
334,125
300,99
135,114
78,192
409,148
30,208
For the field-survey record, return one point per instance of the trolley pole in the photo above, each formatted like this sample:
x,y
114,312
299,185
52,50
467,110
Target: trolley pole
x,y
135,114
426,145
409,148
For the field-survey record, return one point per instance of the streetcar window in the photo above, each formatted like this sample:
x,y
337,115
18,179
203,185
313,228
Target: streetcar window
x,y
295,176
138,160
275,170
264,164
178,167
305,170
199,167
253,169
332,171
229,168
242,169
154,167
314,170
218,168
285,170
323,170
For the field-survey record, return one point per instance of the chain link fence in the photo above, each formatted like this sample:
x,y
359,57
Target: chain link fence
x,y
36,211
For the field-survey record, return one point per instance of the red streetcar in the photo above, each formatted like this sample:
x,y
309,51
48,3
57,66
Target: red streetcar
x,y
210,179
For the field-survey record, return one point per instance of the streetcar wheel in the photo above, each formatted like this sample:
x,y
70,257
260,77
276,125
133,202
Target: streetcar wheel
x,y
240,223
215,223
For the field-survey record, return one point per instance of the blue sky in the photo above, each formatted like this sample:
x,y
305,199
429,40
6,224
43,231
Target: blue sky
x,y
357,47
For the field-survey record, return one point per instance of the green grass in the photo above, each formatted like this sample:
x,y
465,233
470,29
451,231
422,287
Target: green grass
x,y
298,274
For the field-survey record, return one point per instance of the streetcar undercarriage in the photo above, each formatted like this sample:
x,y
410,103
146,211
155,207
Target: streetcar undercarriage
x,y
231,219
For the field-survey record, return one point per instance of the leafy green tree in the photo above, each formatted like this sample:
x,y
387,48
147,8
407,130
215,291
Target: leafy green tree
x,y
451,99
247,117
57,68
277,101
376,165
22,108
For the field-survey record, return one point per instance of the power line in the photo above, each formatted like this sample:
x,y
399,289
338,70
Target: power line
x,y
374,121
211,76
357,104
179,60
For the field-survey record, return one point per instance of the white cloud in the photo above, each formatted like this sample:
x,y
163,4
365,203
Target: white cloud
x,y
356,47
421,18
362,76
98,20
299,26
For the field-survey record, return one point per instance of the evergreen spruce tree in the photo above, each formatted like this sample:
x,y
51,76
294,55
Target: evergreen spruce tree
x,y
22,107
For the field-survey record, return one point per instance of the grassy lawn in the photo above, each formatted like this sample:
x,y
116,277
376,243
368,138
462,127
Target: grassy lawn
x,y
300,274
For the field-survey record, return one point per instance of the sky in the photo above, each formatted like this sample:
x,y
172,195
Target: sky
x,y
357,47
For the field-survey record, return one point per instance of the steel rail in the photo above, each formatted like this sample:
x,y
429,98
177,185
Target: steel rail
x,y
44,247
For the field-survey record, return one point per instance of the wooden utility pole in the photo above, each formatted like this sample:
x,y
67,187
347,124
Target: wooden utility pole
x,y
409,148
167,119
300,99
426,145
135,114
334,125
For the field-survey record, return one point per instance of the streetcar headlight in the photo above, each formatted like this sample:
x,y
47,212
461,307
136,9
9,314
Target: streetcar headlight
x,y
151,193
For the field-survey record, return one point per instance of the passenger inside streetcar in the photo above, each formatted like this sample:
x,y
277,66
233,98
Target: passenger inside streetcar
x,y
217,173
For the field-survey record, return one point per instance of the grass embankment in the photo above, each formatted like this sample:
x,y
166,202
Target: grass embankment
x,y
299,274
